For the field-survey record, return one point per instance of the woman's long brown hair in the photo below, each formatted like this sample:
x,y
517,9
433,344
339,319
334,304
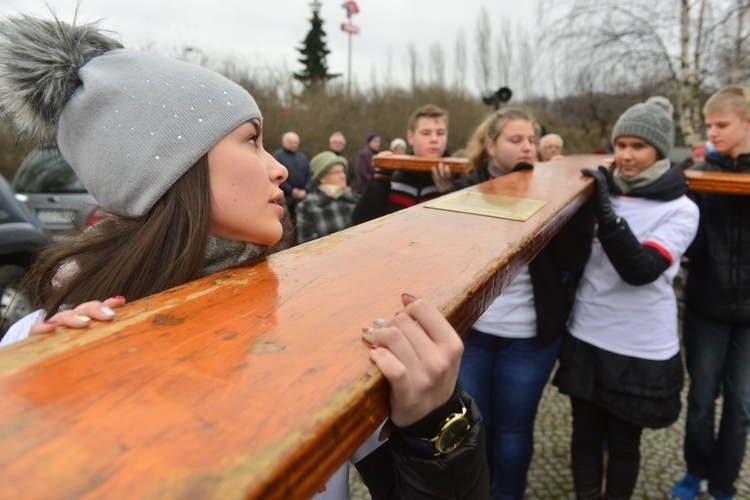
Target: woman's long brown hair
x,y
130,256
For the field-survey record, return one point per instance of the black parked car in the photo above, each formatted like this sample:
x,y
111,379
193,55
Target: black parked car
x,y
55,194
21,237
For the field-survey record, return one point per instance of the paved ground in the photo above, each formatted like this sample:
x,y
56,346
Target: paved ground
x,y
550,477
661,464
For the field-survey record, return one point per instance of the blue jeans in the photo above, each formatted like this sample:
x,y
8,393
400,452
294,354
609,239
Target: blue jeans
x,y
718,359
506,377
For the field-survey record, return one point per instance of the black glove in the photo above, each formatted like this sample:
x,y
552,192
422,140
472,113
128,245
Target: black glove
x,y
522,165
608,219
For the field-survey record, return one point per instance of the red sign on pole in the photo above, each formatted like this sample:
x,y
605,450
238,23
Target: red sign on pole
x,y
351,7
349,28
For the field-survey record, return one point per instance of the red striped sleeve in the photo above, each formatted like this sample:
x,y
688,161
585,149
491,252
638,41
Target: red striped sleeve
x,y
660,249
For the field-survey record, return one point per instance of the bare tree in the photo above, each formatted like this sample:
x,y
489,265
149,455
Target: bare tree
x,y
732,55
374,72
484,51
641,42
689,76
741,57
413,65
592,111
741,44
388,72
526,70
459,70
437,64
504,53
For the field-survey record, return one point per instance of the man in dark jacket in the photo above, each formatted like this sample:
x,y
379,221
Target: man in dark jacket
x,y
717,309
299,182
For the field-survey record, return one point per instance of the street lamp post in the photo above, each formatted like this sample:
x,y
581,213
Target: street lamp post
x,y
351,9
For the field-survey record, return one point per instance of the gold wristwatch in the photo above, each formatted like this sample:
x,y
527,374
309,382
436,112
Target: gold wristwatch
x,y
452,433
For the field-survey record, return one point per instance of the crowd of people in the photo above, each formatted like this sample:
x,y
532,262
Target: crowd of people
x,y
597,301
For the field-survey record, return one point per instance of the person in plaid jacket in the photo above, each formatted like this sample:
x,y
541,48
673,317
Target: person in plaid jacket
x,y
328,208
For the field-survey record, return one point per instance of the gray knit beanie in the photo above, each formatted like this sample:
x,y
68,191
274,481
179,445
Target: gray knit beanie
x,y
650,121
129,123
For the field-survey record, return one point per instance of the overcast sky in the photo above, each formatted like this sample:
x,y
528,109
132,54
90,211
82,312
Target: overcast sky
x,y
265,33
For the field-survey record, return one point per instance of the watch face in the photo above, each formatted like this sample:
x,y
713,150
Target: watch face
x,y
452,435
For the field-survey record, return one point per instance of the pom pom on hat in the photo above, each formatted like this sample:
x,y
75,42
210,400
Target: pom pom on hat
x,y
321,163
129,123
650,121
39,63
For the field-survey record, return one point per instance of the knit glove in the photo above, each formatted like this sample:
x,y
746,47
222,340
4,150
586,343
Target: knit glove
x,y
636,264
608,219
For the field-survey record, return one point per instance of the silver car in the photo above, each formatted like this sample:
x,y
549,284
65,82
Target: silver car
x,y
21,237
48,185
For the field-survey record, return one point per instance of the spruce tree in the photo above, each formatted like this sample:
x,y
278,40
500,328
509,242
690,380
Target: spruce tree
x,y
314,52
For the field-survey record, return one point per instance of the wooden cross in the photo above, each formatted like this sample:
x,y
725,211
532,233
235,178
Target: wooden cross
x,y
255,382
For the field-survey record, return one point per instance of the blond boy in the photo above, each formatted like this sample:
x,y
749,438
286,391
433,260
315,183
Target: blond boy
x,y
717,313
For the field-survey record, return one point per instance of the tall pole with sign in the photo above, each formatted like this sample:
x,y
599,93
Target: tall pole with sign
x,y
351,9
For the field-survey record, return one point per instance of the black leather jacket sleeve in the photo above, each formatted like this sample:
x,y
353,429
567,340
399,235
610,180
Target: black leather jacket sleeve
x,y
395,470
636,264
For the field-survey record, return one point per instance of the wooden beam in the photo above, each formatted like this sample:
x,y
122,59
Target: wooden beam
x,y
255,382
718,182
418,163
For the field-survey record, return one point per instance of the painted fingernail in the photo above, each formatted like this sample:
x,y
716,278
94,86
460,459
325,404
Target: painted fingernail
x,y
108,311
408,296
82,317
378,321
373,347
50,322
120,297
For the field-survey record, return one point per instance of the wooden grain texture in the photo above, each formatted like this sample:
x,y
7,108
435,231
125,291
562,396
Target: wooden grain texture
x,y
418,163
718,182
254,382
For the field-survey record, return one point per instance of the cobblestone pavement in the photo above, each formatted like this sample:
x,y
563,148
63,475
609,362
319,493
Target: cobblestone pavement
x,y
550,477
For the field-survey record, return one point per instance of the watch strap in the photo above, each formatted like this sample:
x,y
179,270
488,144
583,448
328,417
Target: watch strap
x,y
436,445
430,424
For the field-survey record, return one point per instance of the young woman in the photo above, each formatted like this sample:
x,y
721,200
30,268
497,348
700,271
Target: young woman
x,y
175,153
510,351
621,362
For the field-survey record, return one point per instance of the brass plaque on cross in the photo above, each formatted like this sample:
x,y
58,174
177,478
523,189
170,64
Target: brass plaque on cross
x,y
490,205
